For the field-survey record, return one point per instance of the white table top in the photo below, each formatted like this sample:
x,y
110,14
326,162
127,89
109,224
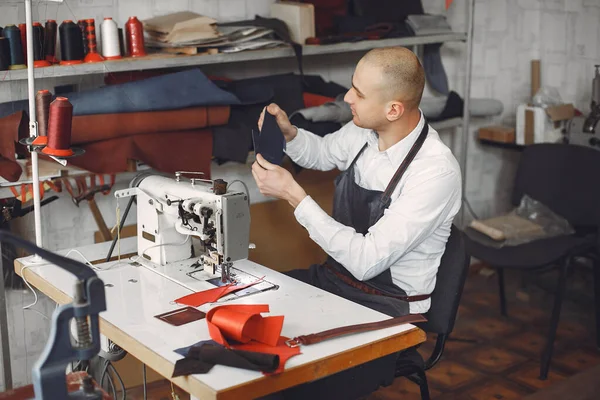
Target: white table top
x,y
138,294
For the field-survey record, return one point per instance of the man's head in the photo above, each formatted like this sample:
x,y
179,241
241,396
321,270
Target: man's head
x,y
387,85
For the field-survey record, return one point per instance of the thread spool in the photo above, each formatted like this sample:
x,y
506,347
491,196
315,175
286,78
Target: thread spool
x,y
50,33
71,45
110,39
82,23
38,46
23,31
60,118
4,54
13,34
1,29
134,32
92,55
122,42
42,114
219,186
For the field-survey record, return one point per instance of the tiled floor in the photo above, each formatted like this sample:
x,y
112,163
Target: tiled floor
x,y
504,362
500,358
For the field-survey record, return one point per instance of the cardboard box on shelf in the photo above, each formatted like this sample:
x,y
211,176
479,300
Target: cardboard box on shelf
x,y
541,125
299,18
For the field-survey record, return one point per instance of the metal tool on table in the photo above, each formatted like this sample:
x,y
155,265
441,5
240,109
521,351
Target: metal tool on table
x,y
584,130
170,210
49,372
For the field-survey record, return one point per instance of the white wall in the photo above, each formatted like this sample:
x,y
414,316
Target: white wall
x,y
508,34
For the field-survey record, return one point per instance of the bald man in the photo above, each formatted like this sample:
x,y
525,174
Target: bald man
x,y
395,199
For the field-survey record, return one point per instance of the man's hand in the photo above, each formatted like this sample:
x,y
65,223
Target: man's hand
x,y
288,130
274,181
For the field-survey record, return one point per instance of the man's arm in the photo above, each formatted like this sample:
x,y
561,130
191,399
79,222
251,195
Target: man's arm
x,y
321,153
311,151
421,207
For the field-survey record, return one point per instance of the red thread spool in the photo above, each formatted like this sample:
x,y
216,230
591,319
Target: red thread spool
x,y
92,55
59,128
134,31
23,29
42,112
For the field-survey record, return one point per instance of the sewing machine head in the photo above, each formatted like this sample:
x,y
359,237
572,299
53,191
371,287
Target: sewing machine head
x,y
172,210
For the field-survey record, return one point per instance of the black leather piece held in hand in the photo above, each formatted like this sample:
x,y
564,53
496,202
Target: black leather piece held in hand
x,y
270,141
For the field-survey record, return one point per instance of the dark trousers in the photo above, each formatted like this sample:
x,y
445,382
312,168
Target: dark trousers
x,y
352,383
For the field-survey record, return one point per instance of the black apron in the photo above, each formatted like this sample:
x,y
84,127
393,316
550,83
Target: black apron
x,y
360,209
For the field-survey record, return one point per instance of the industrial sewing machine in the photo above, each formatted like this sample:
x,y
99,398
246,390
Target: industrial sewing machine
x,y
583,130
172,211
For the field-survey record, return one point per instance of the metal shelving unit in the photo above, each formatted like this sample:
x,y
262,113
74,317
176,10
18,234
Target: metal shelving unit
x,y
159,61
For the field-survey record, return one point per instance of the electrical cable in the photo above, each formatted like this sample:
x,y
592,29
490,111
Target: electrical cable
x,y
114,370
470,208
245,187
166,244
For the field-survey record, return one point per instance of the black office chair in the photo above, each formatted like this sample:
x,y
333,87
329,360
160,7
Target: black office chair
x,y
441,316
564,178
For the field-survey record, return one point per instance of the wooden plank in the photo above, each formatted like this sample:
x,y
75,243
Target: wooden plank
x,y
281,242
326,366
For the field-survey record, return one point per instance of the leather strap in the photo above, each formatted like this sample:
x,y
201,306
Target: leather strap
x,y
371,290
350,329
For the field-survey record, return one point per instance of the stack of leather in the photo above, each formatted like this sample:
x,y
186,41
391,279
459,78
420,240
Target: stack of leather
x,y
162,121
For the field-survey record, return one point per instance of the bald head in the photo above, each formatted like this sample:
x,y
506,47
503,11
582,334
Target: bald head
x,y
402,76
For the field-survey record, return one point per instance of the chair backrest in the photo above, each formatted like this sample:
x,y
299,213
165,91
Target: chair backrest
x,y
563,177
450,282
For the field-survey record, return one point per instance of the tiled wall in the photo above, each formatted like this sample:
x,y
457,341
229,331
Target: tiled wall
x,y
508,34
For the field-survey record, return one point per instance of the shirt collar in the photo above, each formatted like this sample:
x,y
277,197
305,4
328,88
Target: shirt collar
x,y
398,152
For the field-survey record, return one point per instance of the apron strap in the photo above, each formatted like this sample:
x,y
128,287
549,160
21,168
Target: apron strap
x,y
358,155
386,197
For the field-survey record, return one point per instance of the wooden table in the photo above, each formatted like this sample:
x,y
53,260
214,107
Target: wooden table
x,y
135,294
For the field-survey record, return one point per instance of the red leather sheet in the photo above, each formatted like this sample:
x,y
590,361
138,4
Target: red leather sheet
x,y
93,128
163,151
11,127
246,329
211,295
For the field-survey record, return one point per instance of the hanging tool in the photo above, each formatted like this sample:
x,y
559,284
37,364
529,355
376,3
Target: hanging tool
x,y
49,376
85,192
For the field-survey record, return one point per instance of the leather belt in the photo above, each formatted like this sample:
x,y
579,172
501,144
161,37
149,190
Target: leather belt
x,y
346,330
371,290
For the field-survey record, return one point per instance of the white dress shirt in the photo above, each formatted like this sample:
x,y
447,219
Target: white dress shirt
x,y
411,236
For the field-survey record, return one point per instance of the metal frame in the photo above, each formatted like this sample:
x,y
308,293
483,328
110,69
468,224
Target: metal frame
x,y
466,114
176,61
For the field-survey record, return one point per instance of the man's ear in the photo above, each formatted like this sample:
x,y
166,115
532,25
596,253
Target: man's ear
x,y
395,110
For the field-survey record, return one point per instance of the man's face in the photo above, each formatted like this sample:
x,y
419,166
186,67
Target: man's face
x,y
365,97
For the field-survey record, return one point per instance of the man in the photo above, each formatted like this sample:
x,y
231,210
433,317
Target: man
x,y
395,199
